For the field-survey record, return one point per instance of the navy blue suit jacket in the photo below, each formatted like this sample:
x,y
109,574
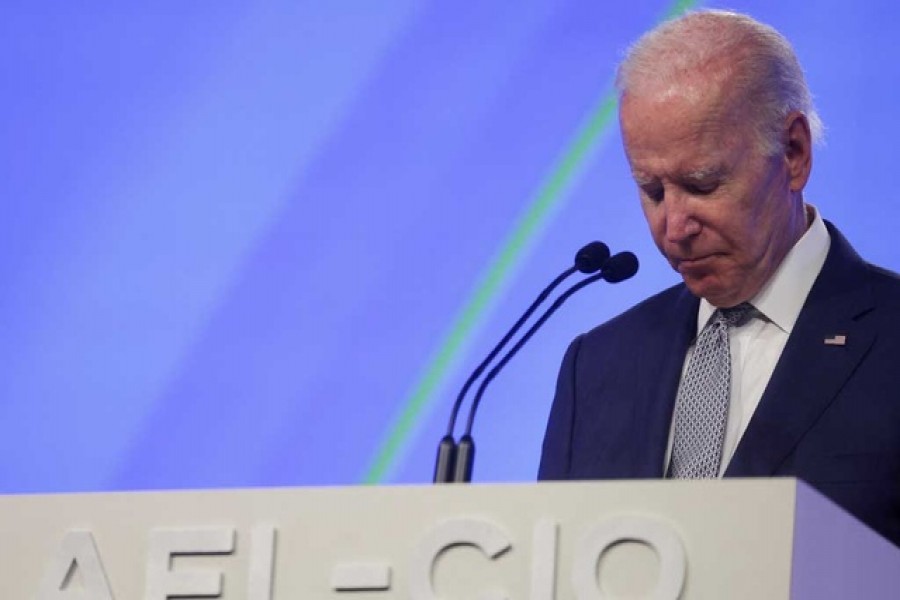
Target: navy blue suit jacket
x,y
830,414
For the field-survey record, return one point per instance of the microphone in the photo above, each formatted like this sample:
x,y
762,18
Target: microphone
x,y
620,267
589,259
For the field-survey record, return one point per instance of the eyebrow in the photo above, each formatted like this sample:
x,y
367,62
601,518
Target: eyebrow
x,y
705,173
643,179
701,174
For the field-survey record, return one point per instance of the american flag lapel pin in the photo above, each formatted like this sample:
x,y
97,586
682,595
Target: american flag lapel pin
x,y
836,340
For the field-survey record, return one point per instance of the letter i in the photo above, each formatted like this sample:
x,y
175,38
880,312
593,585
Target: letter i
x,y
262,563
543,560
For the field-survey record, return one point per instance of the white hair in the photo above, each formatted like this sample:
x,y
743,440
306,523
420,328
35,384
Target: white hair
x,y
759,65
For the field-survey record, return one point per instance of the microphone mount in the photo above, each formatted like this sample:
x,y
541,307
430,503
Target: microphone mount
x,y
590,258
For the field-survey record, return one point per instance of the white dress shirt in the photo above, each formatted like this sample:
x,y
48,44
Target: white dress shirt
x,y
756,346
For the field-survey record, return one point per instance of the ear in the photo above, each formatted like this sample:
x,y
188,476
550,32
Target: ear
x,y
798,150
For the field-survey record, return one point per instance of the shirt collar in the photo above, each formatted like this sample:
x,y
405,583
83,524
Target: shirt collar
x,y
782,297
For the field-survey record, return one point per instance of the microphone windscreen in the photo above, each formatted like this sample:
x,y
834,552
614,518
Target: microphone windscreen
x,y
620,267
591,257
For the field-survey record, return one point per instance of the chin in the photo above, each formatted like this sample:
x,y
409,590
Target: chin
x,y
714,294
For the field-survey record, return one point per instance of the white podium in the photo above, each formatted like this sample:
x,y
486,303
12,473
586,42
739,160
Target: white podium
x,y
734,539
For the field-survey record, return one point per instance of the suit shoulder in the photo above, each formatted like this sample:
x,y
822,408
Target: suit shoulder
x,y
884,280
885,288
648,313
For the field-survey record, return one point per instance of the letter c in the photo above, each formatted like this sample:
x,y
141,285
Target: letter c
x,y
481,533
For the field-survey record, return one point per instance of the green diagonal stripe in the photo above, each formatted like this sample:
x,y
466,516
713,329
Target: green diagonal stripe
x,y
548,197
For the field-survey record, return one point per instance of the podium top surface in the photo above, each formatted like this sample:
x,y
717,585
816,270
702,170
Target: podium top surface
x,y
710,539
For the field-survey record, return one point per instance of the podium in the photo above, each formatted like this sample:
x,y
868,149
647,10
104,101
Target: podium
x,y
731,539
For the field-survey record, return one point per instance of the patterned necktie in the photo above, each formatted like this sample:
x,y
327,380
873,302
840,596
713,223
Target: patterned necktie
x,y
703,396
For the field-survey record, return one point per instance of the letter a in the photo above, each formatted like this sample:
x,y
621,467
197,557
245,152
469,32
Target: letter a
x,y
76,554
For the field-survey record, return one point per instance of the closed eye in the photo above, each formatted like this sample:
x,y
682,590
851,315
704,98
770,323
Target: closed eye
x,y
701,189
654,192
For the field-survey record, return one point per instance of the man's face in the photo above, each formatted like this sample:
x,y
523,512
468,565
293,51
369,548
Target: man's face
x,y
721,213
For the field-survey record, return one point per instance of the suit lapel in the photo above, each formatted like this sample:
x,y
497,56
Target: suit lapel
x,y
653,410
810,373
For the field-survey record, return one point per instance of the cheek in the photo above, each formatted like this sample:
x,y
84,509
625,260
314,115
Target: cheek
x,y
656,220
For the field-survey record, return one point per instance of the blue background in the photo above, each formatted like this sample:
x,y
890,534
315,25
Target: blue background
x,y
237,237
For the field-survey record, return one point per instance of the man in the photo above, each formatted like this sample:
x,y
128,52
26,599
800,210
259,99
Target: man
x,y
779,355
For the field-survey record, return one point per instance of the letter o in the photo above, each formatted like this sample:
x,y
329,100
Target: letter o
x,y
657,534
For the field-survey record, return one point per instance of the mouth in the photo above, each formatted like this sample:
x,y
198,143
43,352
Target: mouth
x,y
693,263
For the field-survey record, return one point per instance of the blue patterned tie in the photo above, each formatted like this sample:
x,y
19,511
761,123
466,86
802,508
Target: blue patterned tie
x,y
703,396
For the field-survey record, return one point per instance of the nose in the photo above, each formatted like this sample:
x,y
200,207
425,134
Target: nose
x,y
681,224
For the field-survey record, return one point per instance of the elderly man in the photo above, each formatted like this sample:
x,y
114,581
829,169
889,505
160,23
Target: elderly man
x,y
779,355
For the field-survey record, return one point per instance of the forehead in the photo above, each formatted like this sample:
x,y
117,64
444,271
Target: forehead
x,y
682,130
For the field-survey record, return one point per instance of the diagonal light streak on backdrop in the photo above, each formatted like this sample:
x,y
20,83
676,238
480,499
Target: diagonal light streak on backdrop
x,y
535,219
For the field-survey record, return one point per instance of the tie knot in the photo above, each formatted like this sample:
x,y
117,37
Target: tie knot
x,y
736,315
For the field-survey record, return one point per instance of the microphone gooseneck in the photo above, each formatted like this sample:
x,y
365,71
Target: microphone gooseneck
x,y
618,268
589,259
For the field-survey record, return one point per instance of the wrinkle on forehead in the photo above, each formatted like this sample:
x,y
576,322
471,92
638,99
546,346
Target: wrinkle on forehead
x,y
700,112
679,140
705,100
